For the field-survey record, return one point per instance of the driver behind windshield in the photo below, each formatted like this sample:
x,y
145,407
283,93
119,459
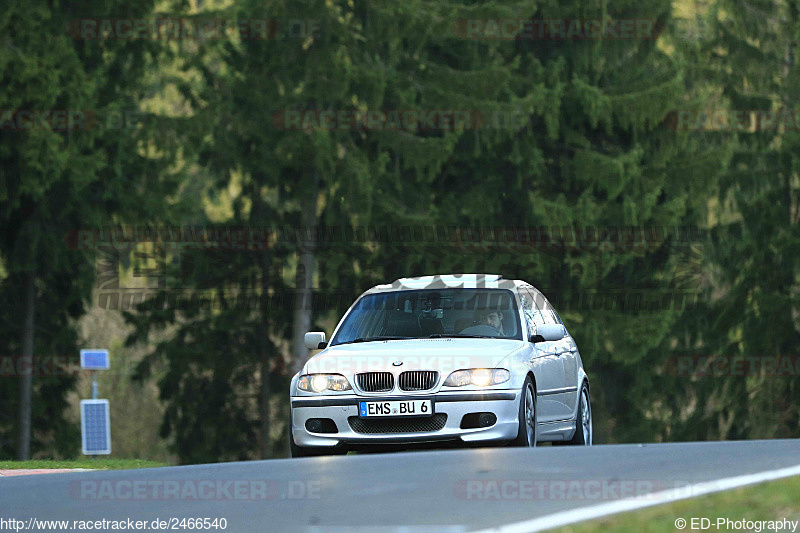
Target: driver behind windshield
x,y
490,318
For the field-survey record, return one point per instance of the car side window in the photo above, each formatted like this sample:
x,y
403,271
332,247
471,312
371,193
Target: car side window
x,y
534,310
549,313
527,310
544,311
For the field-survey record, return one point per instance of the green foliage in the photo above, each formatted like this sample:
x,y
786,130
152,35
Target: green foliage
x,y
566,135
53,181
90,463
750,285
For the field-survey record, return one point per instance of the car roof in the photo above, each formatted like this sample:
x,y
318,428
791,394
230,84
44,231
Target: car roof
x,y
444,281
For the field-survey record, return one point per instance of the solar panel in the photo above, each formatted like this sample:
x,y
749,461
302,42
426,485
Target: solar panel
x,y
95,359
95,427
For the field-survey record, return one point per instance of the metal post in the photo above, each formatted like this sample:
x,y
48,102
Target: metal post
x,y
92,360
94,396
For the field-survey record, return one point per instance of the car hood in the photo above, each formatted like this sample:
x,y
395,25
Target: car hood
x,y
443,355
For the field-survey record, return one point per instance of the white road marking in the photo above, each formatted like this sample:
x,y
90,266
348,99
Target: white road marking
x,y
591,512
388,529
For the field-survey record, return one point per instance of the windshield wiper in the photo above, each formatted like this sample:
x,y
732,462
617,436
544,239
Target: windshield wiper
x,y
379,338
459,335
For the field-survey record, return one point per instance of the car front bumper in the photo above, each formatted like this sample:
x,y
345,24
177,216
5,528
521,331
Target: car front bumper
x,y
503,403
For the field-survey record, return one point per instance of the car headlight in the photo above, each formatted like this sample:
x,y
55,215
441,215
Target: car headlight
x,y
480,377
323,382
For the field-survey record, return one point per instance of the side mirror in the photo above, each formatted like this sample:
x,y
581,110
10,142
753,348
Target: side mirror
x,y
549,332
315,340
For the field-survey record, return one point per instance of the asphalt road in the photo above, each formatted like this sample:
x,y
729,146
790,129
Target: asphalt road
x,y
451,490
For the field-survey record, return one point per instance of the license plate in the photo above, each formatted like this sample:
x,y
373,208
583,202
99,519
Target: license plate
x,y
396,408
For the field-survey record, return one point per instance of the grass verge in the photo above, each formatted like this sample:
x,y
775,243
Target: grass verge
x,y
774,500
97,464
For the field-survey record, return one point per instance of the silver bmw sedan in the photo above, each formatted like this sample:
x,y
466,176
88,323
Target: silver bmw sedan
x,y
463,358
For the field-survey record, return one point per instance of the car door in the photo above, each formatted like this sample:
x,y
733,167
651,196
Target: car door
x,y
561,394
546,364
570,358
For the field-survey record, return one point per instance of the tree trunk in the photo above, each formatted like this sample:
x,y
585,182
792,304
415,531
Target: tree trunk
x,y
265,357
260,216
264,401
26,383
306,247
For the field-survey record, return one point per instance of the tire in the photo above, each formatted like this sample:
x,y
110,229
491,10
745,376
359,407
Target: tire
x,y
584,430
527,433
294,449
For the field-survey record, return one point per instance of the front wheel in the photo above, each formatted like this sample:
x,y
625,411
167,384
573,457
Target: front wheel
x,y
583,422
526,436
294,449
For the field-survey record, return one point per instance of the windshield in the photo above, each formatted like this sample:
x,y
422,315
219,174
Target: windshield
x,y
430,313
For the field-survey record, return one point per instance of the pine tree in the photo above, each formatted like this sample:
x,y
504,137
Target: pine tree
x,y
58,178
748,64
